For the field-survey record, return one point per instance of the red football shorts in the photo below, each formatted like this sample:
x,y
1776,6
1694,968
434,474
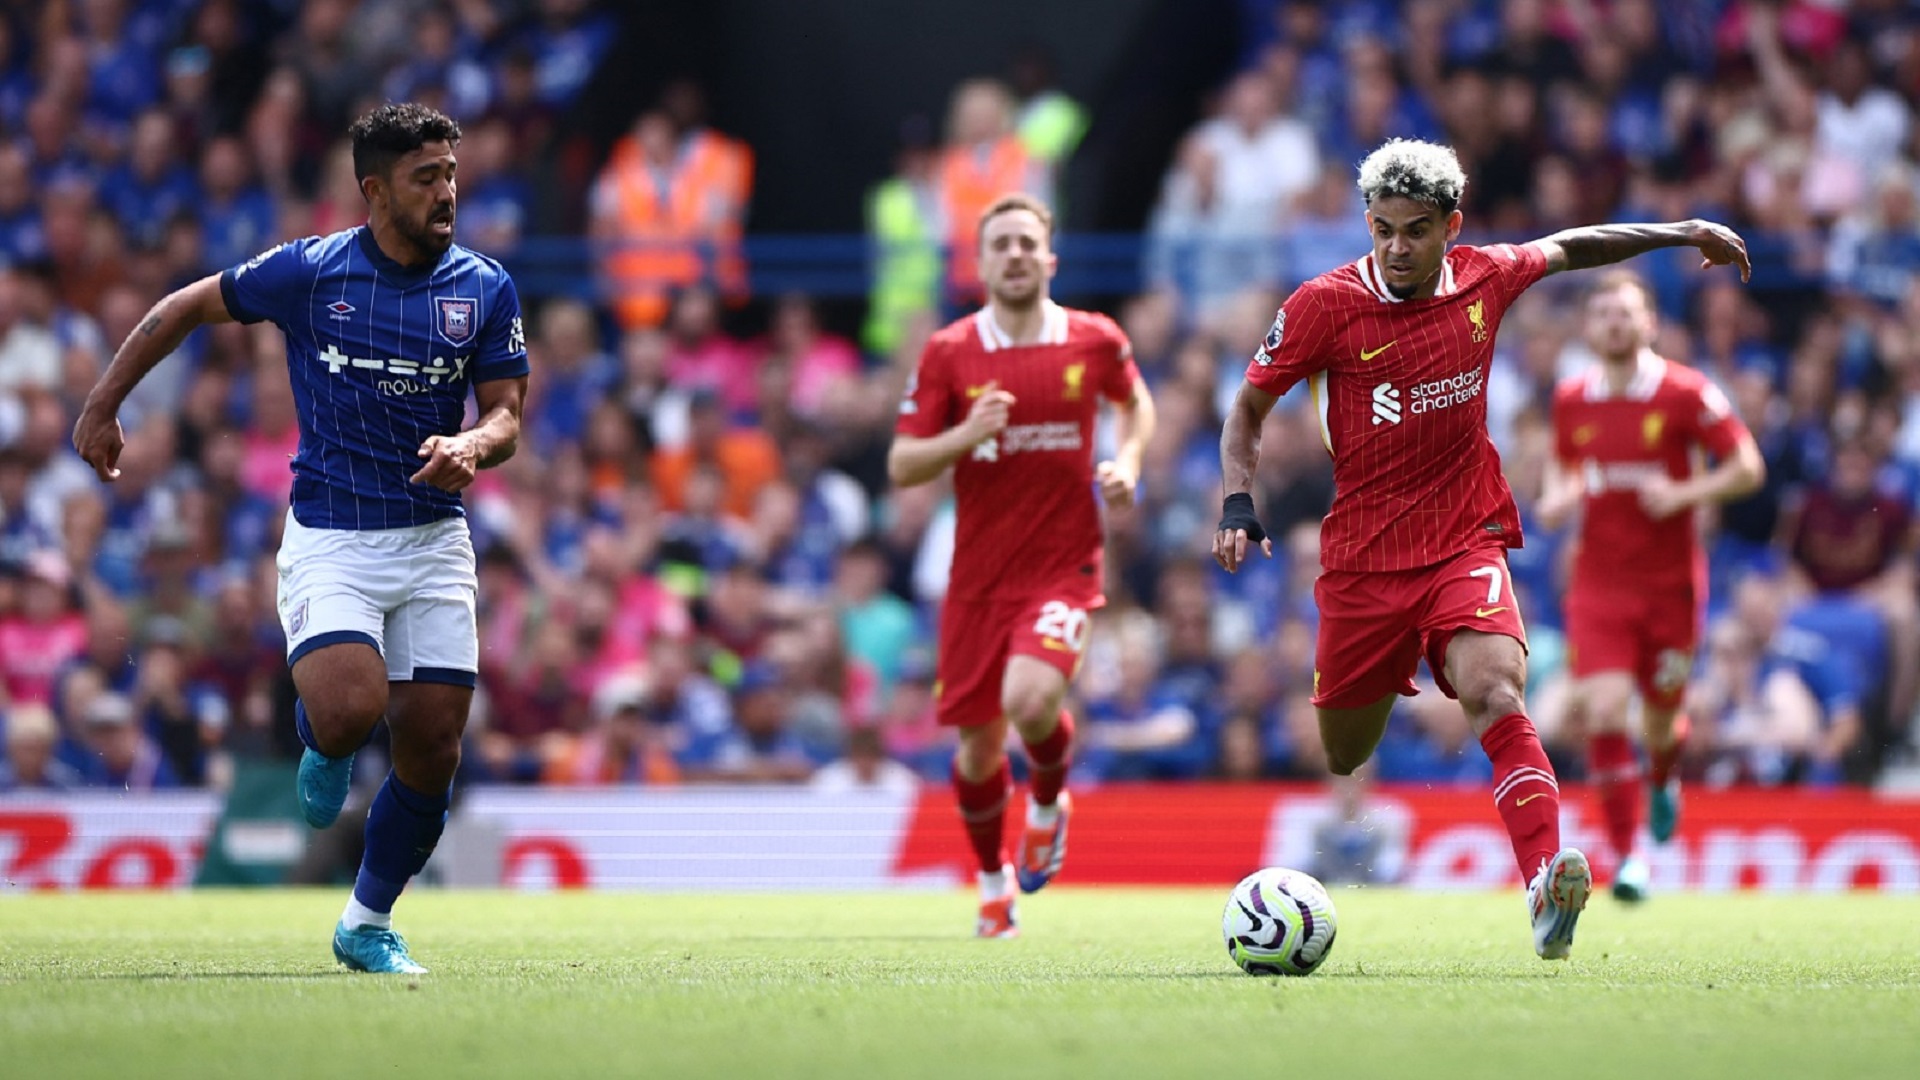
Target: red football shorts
x,y
1649,633
1376,625
977,637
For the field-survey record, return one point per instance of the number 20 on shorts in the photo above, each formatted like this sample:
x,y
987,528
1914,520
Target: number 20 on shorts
x,y
1062,623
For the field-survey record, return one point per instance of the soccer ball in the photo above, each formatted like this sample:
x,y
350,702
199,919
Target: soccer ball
x,y
1278,922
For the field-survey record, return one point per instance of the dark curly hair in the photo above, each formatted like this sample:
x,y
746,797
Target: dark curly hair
x,y
393,131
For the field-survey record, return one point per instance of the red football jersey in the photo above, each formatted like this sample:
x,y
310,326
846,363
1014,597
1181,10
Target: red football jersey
x,y
1617,441
1401,389
1027,513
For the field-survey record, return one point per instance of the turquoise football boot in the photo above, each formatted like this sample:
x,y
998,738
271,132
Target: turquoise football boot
x,y
372,949
323,786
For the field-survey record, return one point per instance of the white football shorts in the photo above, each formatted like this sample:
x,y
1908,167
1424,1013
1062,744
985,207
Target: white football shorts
x,y
409,593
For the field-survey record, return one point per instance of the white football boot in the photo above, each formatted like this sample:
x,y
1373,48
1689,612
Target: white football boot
x,y
1555,899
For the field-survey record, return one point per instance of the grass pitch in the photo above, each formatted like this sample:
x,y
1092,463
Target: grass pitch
x,y
1106,982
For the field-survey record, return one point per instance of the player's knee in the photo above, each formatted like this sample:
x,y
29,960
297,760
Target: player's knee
x,y
1497,692
978,758
345,713
431,767
1030,705
1340,764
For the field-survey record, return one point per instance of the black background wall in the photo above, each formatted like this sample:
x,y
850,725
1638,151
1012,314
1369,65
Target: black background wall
x,y
820,88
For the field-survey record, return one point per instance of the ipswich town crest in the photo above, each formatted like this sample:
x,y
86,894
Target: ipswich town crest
x,y
456,320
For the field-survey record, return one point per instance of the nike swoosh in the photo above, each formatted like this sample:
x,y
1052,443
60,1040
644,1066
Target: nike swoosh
x,y
1055,644
1366,356
1522,802
1481,613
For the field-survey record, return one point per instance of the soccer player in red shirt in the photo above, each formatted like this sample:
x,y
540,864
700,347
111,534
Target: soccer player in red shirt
x,y
1007,397
1395,348
1626,433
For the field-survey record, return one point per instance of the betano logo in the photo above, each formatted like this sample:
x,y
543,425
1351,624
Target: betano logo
x,y
1386,404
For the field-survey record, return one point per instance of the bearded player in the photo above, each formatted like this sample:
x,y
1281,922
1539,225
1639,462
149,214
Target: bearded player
x,y
1395,348
1007,397
390,328
1627,433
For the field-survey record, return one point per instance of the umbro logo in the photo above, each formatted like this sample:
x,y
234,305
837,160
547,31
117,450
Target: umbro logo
x,y
340,309
1386,404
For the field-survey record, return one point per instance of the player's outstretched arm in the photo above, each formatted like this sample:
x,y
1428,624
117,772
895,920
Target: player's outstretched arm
x,y
97,435
1599,245
913,460
1135,419
1239,456
452,461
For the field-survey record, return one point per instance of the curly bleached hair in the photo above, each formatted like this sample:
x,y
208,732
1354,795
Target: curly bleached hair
x,y
1410,169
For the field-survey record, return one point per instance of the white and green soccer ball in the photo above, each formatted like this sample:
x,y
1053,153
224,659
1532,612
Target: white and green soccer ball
x,y
1278,922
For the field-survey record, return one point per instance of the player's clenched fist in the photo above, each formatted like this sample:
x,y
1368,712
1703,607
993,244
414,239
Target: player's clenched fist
x,y
1238,528
1116,483
451,464
98,440
990,412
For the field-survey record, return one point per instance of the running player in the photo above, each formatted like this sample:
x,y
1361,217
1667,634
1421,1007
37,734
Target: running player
x,y
1007,396
1395,348
389,327
1626,433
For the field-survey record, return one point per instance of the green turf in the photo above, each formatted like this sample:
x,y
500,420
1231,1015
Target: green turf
x,y
1116,982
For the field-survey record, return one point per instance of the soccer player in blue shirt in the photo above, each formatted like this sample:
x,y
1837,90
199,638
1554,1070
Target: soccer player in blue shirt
x,y
389,326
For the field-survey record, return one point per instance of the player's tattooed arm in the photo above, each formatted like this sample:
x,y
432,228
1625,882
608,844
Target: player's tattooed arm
x,y
1600,245
97,436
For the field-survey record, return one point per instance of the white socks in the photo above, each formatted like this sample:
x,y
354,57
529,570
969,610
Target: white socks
x,y
993,885
358,915
1042,817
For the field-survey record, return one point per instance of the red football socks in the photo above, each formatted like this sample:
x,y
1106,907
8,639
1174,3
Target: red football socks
x,y
1662,759
1050,757
983,809
1524,791
1615,772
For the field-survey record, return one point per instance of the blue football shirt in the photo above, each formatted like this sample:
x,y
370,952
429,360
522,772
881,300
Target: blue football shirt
x,y
381,356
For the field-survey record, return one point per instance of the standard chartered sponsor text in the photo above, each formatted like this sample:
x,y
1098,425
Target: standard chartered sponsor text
x,y
1445,393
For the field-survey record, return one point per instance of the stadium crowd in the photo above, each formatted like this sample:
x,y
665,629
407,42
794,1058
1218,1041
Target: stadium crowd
x,y
693,570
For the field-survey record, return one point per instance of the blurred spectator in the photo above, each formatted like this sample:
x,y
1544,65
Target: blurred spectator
x,y
761,747
625,745
1143,727
45,633
668,211
153,185
743,460
566,39
27,760
237,216
496,202
905,232
1853,548
574,374
1049,122
821,366
864,767
983,160
878,626
1757,721
1223,206
119,754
